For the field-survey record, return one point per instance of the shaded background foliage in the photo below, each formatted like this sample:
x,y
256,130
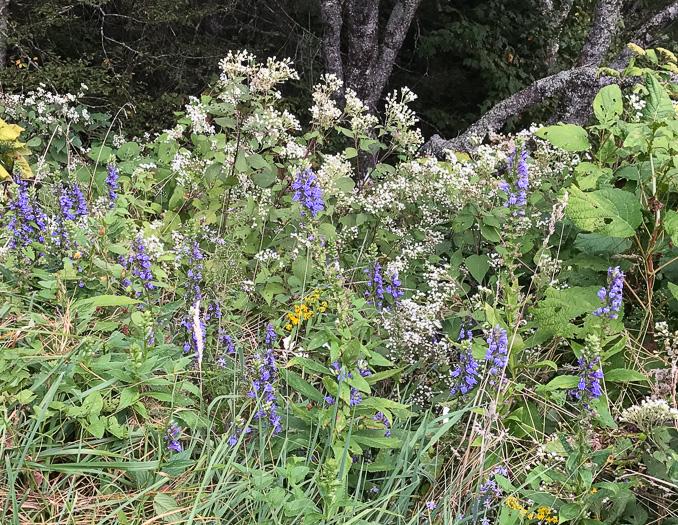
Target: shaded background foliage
x,y
460,56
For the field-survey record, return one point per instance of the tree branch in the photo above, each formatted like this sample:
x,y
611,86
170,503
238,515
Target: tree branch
x,y
647,34
599,38
496,117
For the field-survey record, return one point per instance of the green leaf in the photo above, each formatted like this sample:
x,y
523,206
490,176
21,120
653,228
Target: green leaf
x,y
272,289
344,184
304,362
100,154
610,212
624,375
608,105
302,268
164,504
106,300
477,266
671,225
568,512
376,442
658,105
350,153
559,307
673,288
128,397
299,385
566,136
560,382
129,150
593,244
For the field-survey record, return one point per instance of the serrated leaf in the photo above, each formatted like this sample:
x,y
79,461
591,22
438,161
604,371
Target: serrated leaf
x,y
566,136
657,103
608,105
164,505
559,307
610,212
671,225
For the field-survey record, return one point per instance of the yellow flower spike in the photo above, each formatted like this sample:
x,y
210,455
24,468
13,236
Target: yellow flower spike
x,y
593,491
288,326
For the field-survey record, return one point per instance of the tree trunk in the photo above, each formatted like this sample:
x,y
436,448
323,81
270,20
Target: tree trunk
x,y
4,15
370,51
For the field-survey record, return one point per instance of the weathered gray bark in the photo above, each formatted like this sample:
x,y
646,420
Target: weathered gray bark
x,y
4,14
371,51
577,99
577,86
496,117
555,17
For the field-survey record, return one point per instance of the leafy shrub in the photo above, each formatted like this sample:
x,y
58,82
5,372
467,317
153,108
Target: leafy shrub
x,y
240,321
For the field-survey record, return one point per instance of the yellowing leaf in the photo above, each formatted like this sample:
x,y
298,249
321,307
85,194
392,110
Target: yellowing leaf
x,y
10,132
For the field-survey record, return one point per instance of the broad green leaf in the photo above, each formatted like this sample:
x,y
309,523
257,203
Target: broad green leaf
x,y
555,312
272,289
658,104
673,288
375,441
304,362
129,150
593,244
624,375
568,512
107,300
610,212
165,505
559,382
477,266
566,136
128,397
671,225
608,105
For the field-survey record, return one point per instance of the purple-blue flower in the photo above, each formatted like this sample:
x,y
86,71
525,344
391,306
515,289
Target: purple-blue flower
x,y
28,221
466,372
112,183
376,288
517,197
139,262
496,355
263,386
171,437
590,375
308,192
611,296
380,417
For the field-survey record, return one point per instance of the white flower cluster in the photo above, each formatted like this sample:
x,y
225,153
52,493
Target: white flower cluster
x,y
189,169
50,108
271,126
333,168
260,78
324,111
197,113
400,120
267,256
637,105
649,414
361,120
